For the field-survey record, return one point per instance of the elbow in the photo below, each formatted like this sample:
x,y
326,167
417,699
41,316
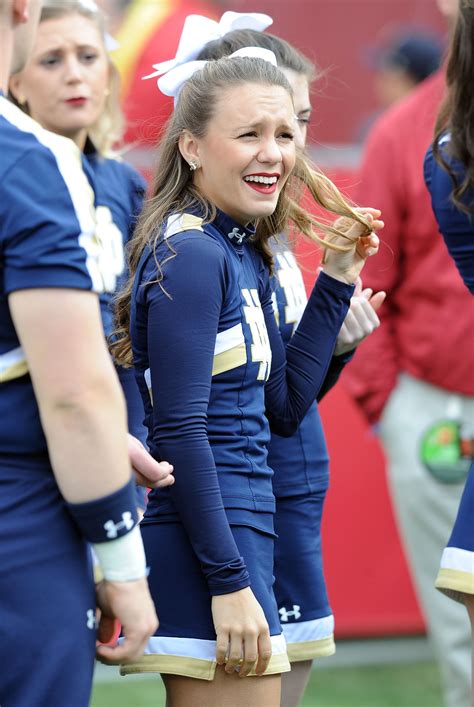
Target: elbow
x,y
282,427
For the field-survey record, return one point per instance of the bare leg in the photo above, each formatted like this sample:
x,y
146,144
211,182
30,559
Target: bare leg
x,y
294,684
224,691
469,601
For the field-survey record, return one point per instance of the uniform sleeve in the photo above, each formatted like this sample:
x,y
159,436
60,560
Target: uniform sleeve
x,y
372,374
337,365
298,372
456,227
41,228
182,329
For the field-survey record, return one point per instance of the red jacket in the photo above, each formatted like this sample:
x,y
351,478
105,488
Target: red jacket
x,y
427,322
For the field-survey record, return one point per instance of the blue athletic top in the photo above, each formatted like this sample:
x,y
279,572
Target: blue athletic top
x,y
456,227
46,240
300,463
119,193
210,362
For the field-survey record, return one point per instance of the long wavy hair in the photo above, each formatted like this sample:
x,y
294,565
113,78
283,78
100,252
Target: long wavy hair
x,y
107,133
173,190
457,111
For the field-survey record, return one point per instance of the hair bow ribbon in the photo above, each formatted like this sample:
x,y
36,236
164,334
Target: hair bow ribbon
x,y
199,30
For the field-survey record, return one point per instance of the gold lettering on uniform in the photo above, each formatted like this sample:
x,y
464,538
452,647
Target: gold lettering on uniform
x,y
291,281
260,348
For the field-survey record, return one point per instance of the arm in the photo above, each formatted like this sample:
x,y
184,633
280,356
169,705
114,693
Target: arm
x,y
296,378
456,227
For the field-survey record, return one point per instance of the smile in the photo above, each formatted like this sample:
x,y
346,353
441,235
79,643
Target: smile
x,y
263,183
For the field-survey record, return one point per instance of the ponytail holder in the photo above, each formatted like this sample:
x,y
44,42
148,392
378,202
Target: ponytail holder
x,y
171,83
199,31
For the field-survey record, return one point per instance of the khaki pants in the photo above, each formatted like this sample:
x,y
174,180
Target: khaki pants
x,y
425,509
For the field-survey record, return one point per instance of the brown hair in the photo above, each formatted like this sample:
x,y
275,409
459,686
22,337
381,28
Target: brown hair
x,y
173,190
457,111
287,56
109,128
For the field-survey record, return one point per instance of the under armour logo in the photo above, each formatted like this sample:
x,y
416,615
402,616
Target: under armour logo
x,y
112,528
91,620
285,615
234,235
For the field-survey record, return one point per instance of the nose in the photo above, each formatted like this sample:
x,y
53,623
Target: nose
x,y
270,151
73,70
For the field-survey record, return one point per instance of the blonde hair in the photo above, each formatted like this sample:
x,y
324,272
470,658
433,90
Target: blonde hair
x,y
107,133
173,189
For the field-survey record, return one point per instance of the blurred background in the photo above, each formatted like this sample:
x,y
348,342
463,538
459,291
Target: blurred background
x,y
371,53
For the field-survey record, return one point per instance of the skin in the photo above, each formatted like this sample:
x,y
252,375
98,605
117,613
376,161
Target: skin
x,y
252,133
65,82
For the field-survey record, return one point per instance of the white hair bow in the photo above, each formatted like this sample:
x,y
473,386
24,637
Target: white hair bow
x,y
199,30
171,83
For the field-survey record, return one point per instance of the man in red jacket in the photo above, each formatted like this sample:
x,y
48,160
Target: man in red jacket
x,y
413,377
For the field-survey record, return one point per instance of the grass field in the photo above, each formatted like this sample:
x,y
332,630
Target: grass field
x,y
415,685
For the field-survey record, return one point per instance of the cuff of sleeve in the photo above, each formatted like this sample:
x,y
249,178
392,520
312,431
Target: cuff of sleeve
x,y
219,588
340,288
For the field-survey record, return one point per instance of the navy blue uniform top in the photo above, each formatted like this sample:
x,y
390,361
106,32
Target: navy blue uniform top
x,y
210,361
300,463
119,193
456,227
47,229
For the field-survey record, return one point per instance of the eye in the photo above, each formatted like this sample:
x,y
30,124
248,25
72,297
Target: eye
x,y
286,135
49,61
89,56
251,133
303,120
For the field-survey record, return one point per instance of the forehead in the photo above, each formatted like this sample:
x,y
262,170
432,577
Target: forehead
x,y
300,86
253,103
72,28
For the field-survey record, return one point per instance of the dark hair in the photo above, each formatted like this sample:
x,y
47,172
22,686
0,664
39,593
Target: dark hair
x,y
457,111
174,190
286,55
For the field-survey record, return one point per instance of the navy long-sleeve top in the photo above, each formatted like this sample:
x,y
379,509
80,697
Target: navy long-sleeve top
x,y
456,226
210,362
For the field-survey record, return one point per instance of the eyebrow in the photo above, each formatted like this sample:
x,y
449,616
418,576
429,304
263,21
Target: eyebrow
x,y
258,124
305,110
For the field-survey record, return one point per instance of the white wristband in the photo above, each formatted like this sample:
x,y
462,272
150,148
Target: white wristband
x,y
122,560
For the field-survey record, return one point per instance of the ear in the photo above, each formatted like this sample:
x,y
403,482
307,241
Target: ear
x,y
14,86
189,147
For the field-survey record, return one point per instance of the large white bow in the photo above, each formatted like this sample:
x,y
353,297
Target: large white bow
x,y
171,83
199,30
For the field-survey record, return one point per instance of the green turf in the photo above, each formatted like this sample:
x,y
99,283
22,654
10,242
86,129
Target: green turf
x,y
415,685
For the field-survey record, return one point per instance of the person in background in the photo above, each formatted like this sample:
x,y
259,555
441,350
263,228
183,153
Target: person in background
x,y
200,277
71,87
404,377
300,463
449,176
65,477
400,64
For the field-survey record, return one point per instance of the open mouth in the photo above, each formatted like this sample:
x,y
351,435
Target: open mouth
x,y
263,183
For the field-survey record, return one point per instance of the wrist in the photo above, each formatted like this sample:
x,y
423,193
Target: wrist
x,y
122,560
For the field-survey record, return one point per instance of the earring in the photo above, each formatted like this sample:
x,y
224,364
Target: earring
x,y
193,166
21,100
107,92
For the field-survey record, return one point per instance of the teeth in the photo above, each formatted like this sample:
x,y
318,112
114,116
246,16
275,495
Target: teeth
x,y
261,180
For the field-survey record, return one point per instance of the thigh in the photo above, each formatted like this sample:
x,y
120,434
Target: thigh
x,y
223,691
47,606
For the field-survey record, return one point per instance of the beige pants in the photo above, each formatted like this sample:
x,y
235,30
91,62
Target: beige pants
x,y
425,510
